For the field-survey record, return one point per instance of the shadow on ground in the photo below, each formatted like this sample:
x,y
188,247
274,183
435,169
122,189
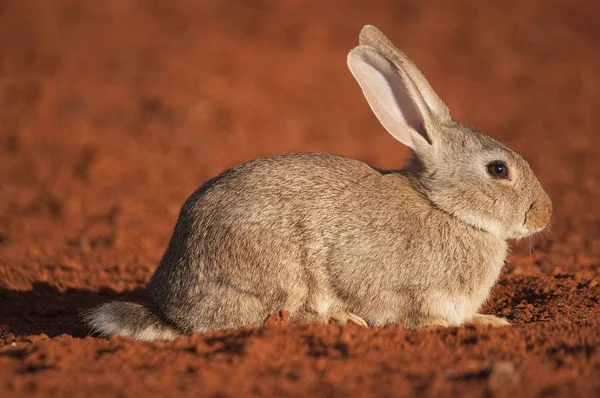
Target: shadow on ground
x,y
47,310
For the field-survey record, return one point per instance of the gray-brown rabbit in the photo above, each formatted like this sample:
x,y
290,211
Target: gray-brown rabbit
x,y
330,238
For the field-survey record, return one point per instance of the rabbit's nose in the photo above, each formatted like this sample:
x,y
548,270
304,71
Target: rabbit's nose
x,y
548,209
543,208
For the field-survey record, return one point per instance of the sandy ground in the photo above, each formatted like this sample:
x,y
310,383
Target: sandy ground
x,y
113,112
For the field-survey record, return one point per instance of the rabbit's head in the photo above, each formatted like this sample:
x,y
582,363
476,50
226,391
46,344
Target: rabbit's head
x,y
462,171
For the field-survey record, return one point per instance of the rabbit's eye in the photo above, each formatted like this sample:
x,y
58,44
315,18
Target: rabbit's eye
x,y
498,170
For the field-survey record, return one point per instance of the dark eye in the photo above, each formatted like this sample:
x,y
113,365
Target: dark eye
x,y
498,170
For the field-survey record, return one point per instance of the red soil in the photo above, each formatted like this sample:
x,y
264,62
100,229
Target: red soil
x,y
112,112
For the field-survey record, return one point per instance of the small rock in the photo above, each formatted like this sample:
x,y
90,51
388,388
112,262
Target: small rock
x,y
517,271
503,374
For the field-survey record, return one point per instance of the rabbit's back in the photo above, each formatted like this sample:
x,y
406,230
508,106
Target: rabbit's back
x,y
263,227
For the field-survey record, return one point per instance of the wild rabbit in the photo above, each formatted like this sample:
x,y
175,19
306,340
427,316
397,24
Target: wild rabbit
x,y
330,238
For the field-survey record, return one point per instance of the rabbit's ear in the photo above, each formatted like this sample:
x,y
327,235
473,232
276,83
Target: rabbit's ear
x,y
371,36
392,96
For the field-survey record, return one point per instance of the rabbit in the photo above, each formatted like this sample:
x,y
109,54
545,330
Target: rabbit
x,y
328,238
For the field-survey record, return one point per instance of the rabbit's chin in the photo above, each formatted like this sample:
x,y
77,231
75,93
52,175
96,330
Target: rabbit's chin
x,y
481,222
496,228
524,232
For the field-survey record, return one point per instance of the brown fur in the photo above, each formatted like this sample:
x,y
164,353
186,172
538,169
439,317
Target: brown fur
x,y
326,237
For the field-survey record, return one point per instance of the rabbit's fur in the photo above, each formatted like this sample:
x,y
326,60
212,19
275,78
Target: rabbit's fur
x,y
330,238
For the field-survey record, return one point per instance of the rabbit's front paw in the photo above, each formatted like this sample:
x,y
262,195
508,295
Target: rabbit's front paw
x,y
344,317
487,320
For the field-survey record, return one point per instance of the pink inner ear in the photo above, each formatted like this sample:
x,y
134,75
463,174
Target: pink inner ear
x,y
408,107
391,94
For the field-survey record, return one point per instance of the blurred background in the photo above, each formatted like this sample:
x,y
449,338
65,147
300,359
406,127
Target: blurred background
x,y
113,112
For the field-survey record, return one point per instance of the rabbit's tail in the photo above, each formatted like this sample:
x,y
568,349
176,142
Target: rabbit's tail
x,y
119,318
